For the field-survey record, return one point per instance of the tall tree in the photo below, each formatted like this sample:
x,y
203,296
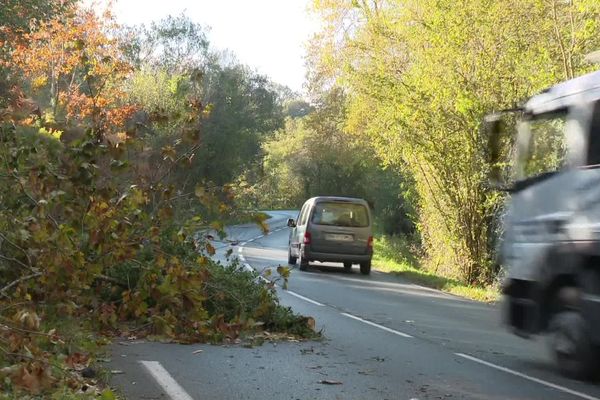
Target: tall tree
x,y
77,68
421,75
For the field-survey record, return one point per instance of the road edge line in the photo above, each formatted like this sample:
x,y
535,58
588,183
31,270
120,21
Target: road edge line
x,y
304,298
165,380
385,328
529,378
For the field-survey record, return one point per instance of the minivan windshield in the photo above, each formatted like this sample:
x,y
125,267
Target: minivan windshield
x,y
340,214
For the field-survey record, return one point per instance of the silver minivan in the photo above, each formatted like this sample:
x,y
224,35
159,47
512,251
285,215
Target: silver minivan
x,y
332,229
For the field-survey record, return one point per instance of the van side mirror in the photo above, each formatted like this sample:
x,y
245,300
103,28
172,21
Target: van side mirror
x,y
291,223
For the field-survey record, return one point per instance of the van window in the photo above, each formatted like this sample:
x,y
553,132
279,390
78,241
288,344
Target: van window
x,y
341,214
303,214
594,137
548,147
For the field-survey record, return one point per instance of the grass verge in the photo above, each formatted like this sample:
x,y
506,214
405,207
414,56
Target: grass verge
x,y
393,255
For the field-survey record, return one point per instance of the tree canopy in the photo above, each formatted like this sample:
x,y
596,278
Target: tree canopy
x,y
420,75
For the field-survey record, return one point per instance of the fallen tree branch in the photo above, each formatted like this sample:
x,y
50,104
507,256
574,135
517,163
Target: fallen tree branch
x,y
4,238
17,281
14,260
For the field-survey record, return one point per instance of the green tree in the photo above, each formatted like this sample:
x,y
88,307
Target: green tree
x,y
315,156
421,75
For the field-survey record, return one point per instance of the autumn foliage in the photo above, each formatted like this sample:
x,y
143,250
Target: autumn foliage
x,y
87,233
74,63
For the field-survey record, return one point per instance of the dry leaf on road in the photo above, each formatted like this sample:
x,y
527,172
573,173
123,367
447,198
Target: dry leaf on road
x,y
329,382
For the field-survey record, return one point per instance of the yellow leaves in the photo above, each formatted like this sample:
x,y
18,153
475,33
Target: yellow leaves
x,y
39,81
107,394
207,110
53,133
283,271
202,260
217,225
201,193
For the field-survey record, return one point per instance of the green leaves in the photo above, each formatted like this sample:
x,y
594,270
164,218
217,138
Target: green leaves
x,y
108,394
420,75
97,184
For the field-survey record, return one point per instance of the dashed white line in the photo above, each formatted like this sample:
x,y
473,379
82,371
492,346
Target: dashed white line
x,y
530,378
304,298
170,384
406,335
166,381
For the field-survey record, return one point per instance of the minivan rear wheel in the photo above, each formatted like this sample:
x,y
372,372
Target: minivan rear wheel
x,y
365,267
303,264
291,259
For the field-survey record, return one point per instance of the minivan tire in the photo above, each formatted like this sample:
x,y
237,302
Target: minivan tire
x,y
570,342
365,267
291,260
303,264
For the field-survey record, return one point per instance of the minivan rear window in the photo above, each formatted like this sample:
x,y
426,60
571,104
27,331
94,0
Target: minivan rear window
x,y
340,214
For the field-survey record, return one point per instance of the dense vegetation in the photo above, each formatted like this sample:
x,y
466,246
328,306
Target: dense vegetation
x,y
118,147
419,75
119,144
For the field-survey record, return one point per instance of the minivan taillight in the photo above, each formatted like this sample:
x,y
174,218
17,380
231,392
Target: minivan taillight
x,y
370,242
306,238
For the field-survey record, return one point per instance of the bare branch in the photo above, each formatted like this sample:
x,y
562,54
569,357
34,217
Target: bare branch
x,y
17,281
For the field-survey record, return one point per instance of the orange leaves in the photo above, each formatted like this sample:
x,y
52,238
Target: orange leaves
x,y
33,377
210,249
80,66
78,361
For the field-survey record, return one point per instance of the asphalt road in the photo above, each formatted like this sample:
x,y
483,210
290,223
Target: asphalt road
x,y
384,339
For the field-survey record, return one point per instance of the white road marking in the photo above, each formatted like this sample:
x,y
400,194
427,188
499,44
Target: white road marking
x,y
166,381
530,378
406,335
304,298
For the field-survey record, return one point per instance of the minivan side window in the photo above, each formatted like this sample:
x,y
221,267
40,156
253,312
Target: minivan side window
x,y
303,215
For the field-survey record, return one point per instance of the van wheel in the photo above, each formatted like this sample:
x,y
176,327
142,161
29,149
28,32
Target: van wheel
x,y
303,264
572,347
347,266
365,267
291,260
